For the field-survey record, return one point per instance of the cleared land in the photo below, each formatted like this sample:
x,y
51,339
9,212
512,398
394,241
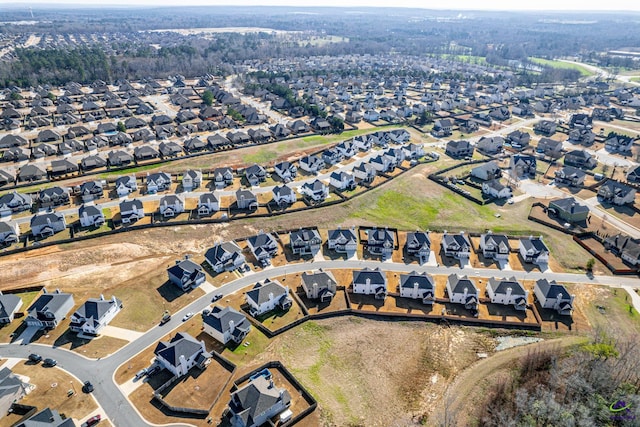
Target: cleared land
x,y
559,64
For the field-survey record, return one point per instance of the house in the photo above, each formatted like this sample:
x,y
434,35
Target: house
x,y
362,142
380,242
331,156
222,177
618,144
456,245
370,282
418,245
342,181
119,158
47,418
49,309
580,121
255,174
545,127
246,200
305,241
343,240
30,173
145,152
549,147
191,179
467,125
286,171
487,171
126,185
9,233
181,353
316,190
224,256
14,202
462,290
255,403
395,156
494,188
225,325
364,172
553,296
533,250
267,296
616,193
91,216
62,167
519,140
311,164
171,205
459,149
442,128
263,246
490,145
298,126
88,163
158,181
522,110
9,306
259,135
568,210
418,286
6,177
319,285
495,246
580,159
12,389
523,166
186,274
625,247
131,211
217,141
208,204
500,113
94,314
582,136
91,190
413,151
347,149
571,176
283,195
507,292
633,175
47,224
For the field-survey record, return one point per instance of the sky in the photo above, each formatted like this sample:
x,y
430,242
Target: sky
x,y
568,5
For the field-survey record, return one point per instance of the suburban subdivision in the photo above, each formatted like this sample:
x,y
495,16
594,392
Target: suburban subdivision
x,y
259,222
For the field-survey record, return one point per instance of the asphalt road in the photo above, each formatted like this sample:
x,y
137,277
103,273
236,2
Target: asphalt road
x,y
118,407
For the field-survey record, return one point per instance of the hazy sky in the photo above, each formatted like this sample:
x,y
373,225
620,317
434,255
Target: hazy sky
x,y
576,5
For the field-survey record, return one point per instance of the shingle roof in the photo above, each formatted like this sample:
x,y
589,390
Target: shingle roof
x,y
182,344
219,319
459,283
376,277
261,291
423,280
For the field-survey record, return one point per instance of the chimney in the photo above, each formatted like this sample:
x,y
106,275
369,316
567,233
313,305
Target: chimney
x,y
509,290
270,296
560,296
44,291
57,291
232,326
101,297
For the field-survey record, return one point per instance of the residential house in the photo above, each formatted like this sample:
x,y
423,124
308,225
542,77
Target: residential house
x,y
9,306
456,245
12,389
413,151
208,204
91,190
364,172
217,141
47,418
549,147
131,211
519,140
500,113
9,233
316,190
442,128
145,152
246,200
507,292
495,246
255,403
553,296
283,195
619,144
418,286
494,188
459,149
362,142
342,181
523,166
286,171
62,167
47,224
343,240
467,125
14,202
347,149
224,256
268,296
487,171
580,121
582,136
418,244
171,205
616,193
533,250
395,156
633,175
462,290
298,126
311,164
30,173
545,127
580,159
222,177
490,145
380,242
191,179
571,176
568,209
126,185
381,163
158,181
263,246
255,174
331,156
370,282
91,216
305,241
49,309
181,353
186,274
625,247
119,158
96,313
225,325
319,285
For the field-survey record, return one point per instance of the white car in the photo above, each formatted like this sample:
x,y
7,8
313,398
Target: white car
x,y
187,316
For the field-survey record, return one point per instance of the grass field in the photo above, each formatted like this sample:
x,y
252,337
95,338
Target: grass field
x,y
559,64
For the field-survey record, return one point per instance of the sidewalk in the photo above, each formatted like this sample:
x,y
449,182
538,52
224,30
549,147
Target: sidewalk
x,y
124,334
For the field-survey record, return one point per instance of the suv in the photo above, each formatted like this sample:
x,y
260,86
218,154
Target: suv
x,y
87,387
49,362
93,420
35,358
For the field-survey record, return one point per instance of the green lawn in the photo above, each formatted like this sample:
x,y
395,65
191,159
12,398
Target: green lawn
x,y
129,170
471,59
635,79
559,64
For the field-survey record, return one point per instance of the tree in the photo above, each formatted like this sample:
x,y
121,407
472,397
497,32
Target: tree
x,y
590,263
51,96
207,97
121,127
15,96
337,124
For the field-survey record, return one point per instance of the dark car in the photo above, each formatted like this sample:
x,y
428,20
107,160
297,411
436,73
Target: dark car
x,y
216,297
49,362
93,420
87,387
35,358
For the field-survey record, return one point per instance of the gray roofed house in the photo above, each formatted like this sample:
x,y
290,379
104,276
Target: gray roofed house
x,y
580,159
286,171
91,216
507,292
255,174
158,181
495,246
15,154
126,185
48,135
571,176
418,286
549,147
92,162
12,389
11,140
490,145
267,296
255,403
487,171
311,164
456,245
47,418
462,290
224,256
616,193
222,177
263,246
381,242
6,177
9,305
186,274
342,180
343,240
283,195
370,282
131,211
418,244
305,241
169,149
47,224
625,247
30,172
195,145
319,285
522,165
553,296
519,139
145,152
91,190
14,202
316,190
49,309
208,203
568,209
458,149
119,158
181,353
533,250
62,167
96,313
246,199
634,175
225,324
9,233
171,205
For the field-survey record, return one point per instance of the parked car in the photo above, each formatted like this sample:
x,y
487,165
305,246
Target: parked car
x,y
49,362
93,420
216,297
35,358
187,316
87,387
141,373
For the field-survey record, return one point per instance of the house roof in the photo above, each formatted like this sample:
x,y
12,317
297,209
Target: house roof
x,y
261,291
282,190
418,238
320,278
534,243
95,308
208,198
47,418
8,304
500,286
185,266
458,284
182,344
219,250
552,289
460,240
346,233
255,398
422,280
262,239
569,204
220,318
304,235
52,302
376,276
44,219
128,205
246,194
90,210
499,240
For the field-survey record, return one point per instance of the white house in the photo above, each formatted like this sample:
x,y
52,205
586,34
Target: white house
x,y
507,292
342,180
126,185
286,171
554,296
418,286
224,256
283,195
208,203
191,179
319,285
316,190
49,309
181,353
267,296
311,164
186,274
487,171
171,205
495,246
495,188
364,172
462,290
370,282
159,181
9,305
47,224
255,403
94,314
91,216
456,245
131,211
343,240
225,324
533,250
9,233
